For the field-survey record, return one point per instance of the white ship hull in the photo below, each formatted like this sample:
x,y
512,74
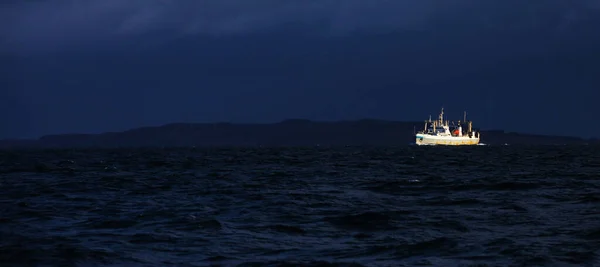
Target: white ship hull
x,y
428,139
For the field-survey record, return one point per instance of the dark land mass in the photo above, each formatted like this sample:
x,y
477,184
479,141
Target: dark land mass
x,y
285,133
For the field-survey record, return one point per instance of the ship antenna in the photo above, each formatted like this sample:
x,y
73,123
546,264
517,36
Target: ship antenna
x,y
465,116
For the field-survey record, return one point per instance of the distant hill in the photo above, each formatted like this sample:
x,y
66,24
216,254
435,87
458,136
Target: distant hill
x,y
285,133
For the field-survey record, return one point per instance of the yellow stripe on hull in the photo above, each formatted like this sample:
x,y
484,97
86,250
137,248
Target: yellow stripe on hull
x,y
446,140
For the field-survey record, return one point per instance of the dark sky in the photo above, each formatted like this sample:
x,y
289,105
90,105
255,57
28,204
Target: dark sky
x,y
91,66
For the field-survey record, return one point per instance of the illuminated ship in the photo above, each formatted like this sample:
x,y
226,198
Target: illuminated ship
x,y
443,132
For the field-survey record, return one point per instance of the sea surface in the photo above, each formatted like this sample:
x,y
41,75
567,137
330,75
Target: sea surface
x,y
310,206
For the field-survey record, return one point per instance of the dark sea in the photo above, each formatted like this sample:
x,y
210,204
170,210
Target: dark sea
x,y
310,206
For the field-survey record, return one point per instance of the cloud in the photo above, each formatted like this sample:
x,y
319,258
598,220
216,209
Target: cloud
x,y
70,23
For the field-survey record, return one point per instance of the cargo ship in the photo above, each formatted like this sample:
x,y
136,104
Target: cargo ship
x,y
443,132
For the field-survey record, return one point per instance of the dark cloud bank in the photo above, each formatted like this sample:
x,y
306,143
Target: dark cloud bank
x,y
93,66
